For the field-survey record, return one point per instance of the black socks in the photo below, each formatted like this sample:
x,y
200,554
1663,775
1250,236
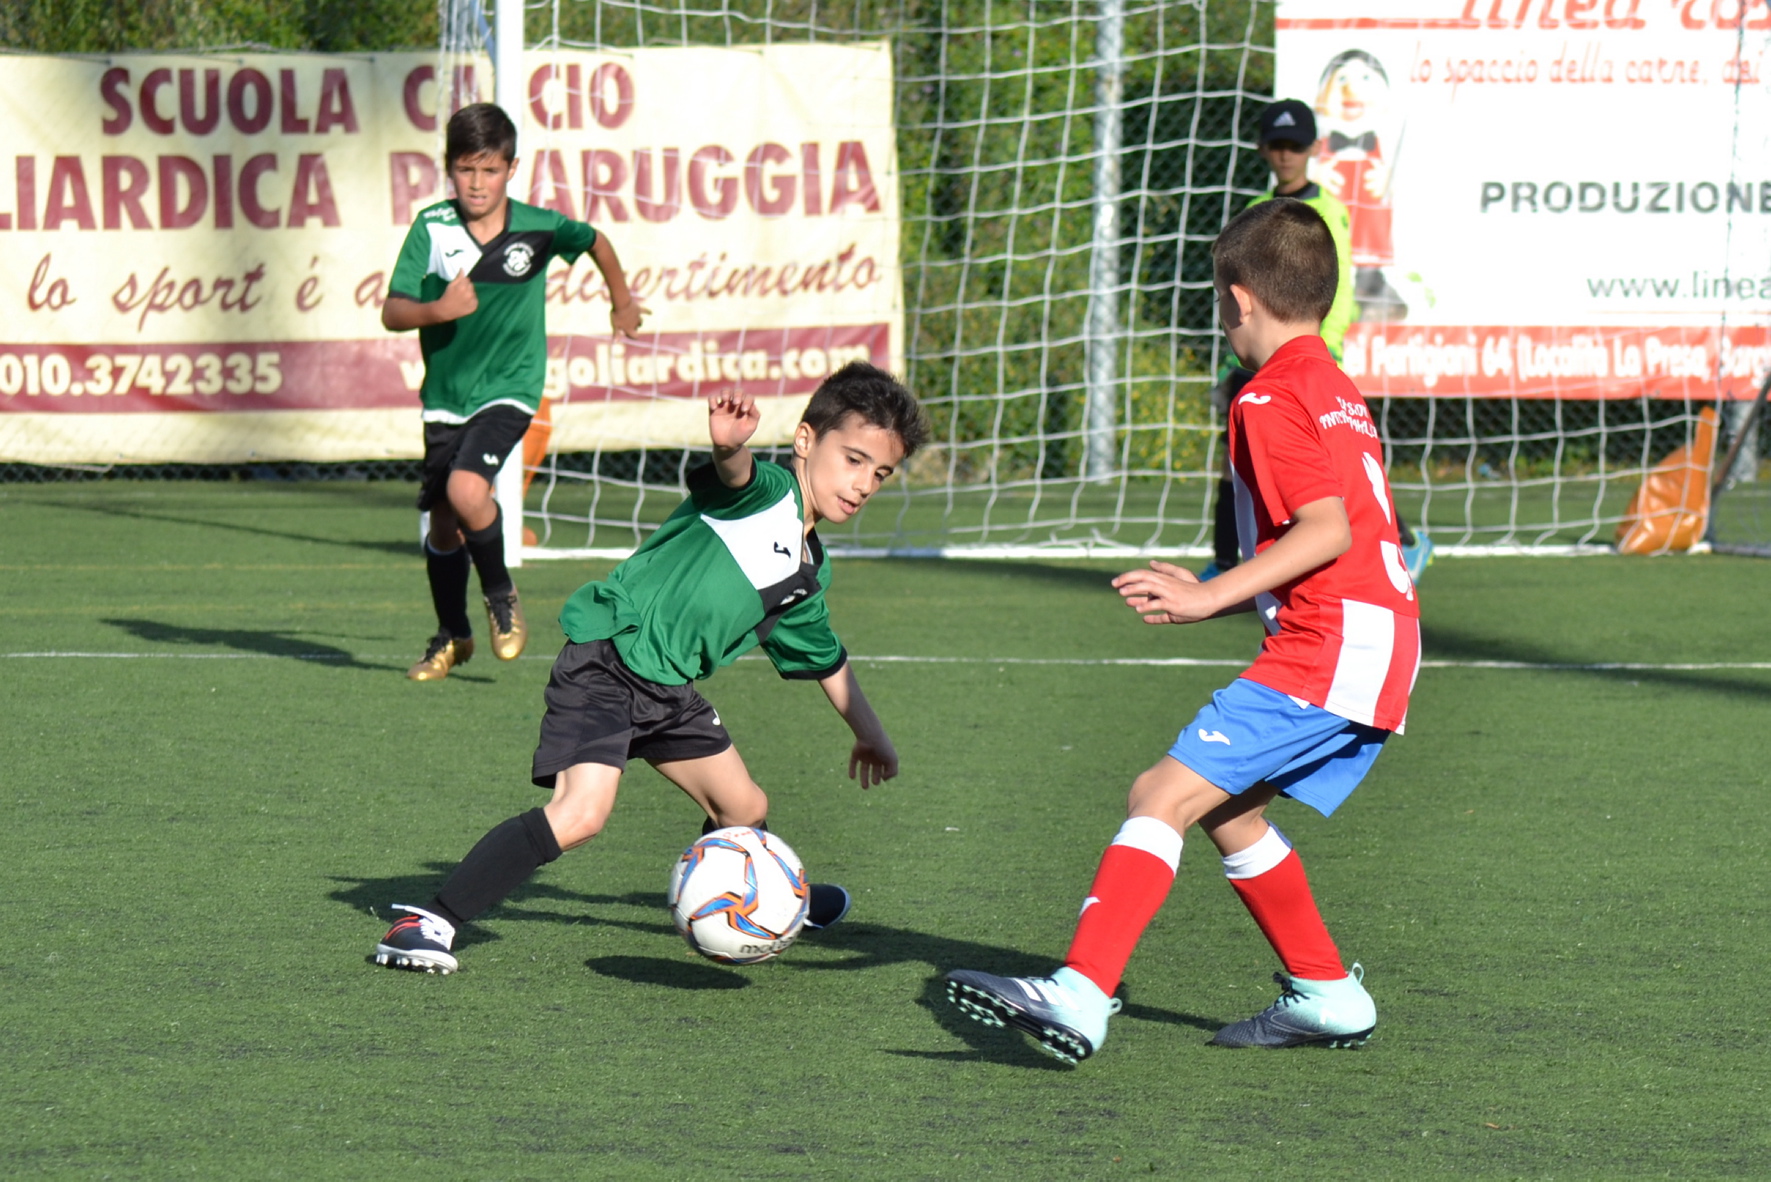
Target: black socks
x,y
487,547
448,574
501,862
1225,548
448,588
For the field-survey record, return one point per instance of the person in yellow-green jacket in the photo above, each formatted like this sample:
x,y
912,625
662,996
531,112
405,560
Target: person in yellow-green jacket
x,y
1286,141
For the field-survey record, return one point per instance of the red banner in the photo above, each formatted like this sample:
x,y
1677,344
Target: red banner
x,y
1490,361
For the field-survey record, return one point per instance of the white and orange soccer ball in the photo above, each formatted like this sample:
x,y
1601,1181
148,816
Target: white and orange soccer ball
x,y
739,895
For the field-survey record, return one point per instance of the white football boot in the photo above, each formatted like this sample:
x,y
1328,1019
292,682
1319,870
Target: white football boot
x,y
1331,1013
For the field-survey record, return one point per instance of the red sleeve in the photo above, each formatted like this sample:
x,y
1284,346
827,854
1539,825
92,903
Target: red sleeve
x,y
1284,454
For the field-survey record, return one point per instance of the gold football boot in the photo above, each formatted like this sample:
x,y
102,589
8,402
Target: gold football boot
x,y
443,654
509,630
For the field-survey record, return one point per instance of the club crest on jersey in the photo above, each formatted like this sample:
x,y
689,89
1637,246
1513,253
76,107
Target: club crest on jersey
x,y
518,258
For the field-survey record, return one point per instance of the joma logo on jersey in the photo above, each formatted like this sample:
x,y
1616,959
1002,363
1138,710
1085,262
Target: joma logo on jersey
x,y
519,258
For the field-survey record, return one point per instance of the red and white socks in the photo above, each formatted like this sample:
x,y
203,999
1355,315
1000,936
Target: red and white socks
x,y
1134,878
1270,878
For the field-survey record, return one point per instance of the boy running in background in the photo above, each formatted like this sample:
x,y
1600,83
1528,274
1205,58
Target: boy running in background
x,y
1308,718
470,279
737,565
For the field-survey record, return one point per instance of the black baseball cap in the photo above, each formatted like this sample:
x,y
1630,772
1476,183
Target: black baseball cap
x,y
1288,119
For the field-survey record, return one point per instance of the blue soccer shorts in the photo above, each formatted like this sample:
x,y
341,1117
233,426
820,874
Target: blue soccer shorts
x,y
1250,734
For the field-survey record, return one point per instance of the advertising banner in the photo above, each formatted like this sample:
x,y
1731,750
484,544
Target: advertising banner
x,y
194,249
1549,198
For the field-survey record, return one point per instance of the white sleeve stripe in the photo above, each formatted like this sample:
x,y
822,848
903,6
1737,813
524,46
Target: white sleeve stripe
x,y
1153,837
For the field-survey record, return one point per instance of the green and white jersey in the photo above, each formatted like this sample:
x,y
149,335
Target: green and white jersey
x,y
498,353
730,569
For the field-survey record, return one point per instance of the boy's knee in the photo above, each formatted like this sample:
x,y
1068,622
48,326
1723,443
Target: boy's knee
x,y
1173,793
577,817
750,808
468,490
1146,792
573,827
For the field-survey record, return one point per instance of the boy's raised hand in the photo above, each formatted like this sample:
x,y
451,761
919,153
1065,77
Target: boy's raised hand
x,y
625,320
1166,594
458,299
732,418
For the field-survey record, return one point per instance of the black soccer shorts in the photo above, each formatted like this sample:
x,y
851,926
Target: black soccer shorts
x,y
600,711
479,445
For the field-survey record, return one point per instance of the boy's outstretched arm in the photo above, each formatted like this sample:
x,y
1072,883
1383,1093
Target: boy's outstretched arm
x,y
732,419
624,310
1165,594
873,759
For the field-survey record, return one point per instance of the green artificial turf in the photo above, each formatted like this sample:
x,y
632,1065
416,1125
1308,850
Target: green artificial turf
x,y
1556,882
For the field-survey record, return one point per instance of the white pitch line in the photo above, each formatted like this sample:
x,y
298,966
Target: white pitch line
x,y
904,659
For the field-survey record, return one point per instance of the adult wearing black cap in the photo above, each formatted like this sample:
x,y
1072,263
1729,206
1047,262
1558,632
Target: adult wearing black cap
x,y
1287,140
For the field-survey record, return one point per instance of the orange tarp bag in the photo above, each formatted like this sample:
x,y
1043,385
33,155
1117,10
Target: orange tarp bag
x,y
1671,509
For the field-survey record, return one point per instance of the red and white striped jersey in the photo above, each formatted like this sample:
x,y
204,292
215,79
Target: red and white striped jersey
x,y
1346,636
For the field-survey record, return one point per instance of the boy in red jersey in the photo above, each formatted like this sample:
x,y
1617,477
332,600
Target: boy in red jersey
x,y
1322,565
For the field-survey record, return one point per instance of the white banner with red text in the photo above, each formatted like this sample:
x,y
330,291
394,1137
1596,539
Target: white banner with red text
x,y
1549,198
194,249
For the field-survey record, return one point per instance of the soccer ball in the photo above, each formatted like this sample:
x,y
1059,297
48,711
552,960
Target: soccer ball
x,y
739,895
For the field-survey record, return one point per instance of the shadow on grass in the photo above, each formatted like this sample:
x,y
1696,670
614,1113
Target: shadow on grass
x,y
402,549
376,895
1439,643
672,974
267,642
849,947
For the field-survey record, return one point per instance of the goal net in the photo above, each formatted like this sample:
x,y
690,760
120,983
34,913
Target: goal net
x,y
1062,170
1009,202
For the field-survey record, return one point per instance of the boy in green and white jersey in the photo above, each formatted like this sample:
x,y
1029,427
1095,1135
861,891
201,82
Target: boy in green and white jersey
x,y
470,279
737,565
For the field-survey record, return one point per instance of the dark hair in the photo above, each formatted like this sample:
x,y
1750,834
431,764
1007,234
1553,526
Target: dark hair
x,y
477,128
880,399
1282,252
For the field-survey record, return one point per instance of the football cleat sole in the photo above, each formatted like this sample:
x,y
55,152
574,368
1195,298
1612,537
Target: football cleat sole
x,y
981,1005
440,963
